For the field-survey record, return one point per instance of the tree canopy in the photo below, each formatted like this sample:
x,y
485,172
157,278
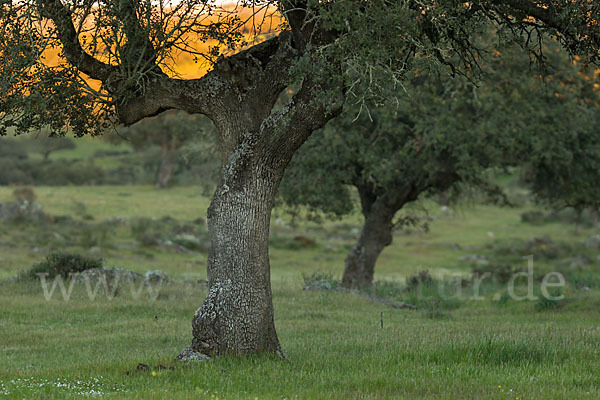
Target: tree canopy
x,y
448,134
116,57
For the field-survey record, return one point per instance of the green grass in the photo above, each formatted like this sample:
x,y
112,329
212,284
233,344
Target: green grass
x,y
334,341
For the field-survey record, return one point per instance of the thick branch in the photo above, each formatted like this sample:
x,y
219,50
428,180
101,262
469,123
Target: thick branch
x,y
309,110
138,50
74,53
533,9
249,81
295,12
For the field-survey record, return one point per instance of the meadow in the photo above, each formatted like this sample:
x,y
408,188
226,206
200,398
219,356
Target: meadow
x,y
338,344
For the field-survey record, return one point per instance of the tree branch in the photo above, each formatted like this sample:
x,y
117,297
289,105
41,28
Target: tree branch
x,y
60,15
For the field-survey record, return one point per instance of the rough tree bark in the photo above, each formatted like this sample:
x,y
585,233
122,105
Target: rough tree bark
x,y
376,234
237,315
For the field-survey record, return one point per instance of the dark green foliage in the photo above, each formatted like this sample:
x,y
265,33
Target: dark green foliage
x,y
61,264
148,231
49,173
434,296
154,232
546,304
45,145
10,148
439,134
533,217
499,272
585,217
95,234
174,144
291,243
499,351
192,165
422,278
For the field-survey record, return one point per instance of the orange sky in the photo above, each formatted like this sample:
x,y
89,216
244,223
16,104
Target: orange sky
x,y
183,64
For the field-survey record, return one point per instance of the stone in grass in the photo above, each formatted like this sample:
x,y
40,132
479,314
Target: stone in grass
x,y
577,262
322,284
191,242
593,242
189,355
542,246
476,259
155,277
23,211
111,273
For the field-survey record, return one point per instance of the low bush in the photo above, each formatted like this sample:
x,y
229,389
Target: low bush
x,y
422,278
546,304
61,264
13,149
291,243
432,295
24,194
15,171
499,272
533,217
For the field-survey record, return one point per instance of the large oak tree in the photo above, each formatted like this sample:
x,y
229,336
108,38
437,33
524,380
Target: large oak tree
x,y
330,50
451,134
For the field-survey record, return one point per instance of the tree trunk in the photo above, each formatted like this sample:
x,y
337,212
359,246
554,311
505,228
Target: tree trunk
x,y
376,234
256,144
165,170
237,314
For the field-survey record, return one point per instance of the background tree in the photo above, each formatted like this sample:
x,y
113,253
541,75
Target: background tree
x,y
330,50
170,131
448,134
43,143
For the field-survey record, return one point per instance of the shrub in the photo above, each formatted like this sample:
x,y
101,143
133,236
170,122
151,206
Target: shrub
x,y
152,231
10,148
12,172
432,295
192,242
24,194
546,304
65,172
95,234
386,289
61,264
147,231
422,278
500,272
15,171
569,215
291,243
533,217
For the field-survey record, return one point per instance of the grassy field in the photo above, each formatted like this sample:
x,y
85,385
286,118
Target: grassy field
x,y
338,344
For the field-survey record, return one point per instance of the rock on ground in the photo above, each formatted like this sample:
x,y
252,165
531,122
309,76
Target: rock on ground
x,y
111,273
190,355
22,211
